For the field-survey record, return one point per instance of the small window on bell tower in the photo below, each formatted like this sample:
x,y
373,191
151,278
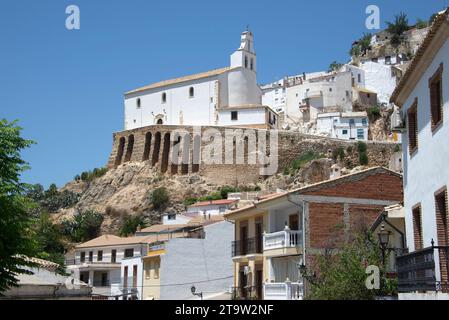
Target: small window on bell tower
x,y
246,62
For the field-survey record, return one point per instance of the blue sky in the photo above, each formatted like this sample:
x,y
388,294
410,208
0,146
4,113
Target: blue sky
x,y
66,87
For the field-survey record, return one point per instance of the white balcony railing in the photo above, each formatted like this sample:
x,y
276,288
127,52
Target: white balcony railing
x,y
283,291
282,239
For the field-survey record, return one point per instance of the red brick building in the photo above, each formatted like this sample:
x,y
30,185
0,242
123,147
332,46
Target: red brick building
x,y
277,234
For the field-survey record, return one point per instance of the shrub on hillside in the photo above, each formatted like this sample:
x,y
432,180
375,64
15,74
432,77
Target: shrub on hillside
x,y
83,226
52,200
159,198
88,176
130,224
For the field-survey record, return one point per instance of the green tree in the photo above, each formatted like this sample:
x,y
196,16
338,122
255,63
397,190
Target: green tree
x,y
49,241
365,42
421,24
227,189
397,28
335,66
83,226
355,51
432,17
130,224
159,198
15,222
340,272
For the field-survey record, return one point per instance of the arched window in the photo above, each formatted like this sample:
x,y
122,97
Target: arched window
x,y
246,62
164,97
252,64
138,103
160,121
191,92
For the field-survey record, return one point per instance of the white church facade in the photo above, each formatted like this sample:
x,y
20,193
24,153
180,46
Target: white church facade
x,y
228,96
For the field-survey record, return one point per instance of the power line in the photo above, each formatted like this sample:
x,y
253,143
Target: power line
x,y
183,284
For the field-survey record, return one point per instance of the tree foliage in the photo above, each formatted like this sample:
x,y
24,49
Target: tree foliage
x,y
340,273
15,222
49,241
397,28
159,198
335,66
130,224
84,226
52,200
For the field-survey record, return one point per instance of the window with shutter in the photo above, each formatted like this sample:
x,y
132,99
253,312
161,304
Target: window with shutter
x,y
436,98
412,115
417,227
441,211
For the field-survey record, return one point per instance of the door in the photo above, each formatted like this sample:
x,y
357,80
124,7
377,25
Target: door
x,y
125,277
259,284
293,222
259,236
104,279
135,276
242,285
243,240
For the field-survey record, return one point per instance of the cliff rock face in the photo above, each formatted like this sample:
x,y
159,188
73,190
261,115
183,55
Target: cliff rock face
x,y
127,190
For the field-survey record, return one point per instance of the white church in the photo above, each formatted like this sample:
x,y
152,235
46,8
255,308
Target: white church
x,y
228,96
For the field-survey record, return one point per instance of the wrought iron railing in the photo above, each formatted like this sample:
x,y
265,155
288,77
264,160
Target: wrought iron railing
x,y
245,293
247,246
416,270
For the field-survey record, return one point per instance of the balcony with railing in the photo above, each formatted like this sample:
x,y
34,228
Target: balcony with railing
x,y
416,270
247,246
283,291
282,239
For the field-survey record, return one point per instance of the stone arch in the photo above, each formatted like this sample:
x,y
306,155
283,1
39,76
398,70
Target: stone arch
x,y
129,148
160,121
165,153
156,148
196,153
185,154
147,149
175,154
120,150
245,149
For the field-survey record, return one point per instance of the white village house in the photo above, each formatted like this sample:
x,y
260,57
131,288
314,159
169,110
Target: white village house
x,y
97,262
212,207
423,97
343,125
172,265
228,96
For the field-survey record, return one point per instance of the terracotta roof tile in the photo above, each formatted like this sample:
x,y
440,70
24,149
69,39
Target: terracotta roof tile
x,y
213,202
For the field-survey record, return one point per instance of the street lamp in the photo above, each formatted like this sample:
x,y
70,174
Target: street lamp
x,y
384,238
199,294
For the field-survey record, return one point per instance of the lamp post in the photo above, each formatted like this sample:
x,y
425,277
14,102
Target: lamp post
x,y
384,238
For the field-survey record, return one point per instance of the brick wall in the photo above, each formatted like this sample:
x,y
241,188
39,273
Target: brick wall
x,y
331,223
382,186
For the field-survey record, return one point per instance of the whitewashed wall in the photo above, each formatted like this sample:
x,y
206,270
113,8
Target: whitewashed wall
x,y
198,110
379,78
245,117
426,171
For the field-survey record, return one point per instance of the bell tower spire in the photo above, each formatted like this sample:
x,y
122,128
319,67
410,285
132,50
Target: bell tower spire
x,y
245,56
